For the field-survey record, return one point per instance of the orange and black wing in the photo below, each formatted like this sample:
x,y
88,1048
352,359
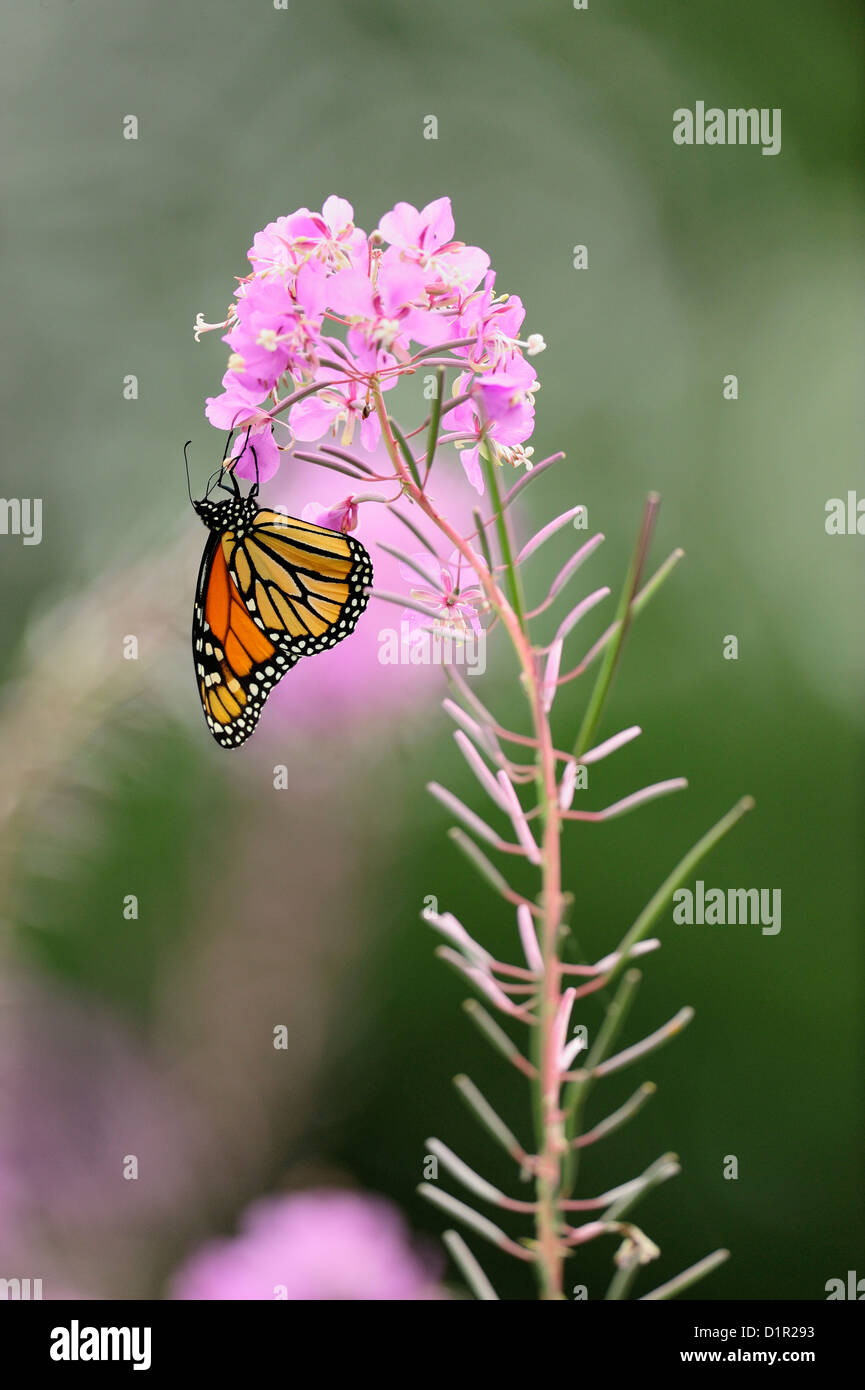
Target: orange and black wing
x,y
303,586
236,664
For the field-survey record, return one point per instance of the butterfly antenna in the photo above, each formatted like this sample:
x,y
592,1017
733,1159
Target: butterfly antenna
x,y
186,461
222,470
229,439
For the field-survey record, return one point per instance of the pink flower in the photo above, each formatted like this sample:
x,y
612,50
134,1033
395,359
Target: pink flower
x,y
329,236
456,607
377,314
270,335
470,454
272,249
426,237
261,465
344,402
309,1246
342,516
311,289
238,408
314,273
237,404
419,233
507,405
496,323
501,410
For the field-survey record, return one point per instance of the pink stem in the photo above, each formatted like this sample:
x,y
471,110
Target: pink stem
x,y
552,1146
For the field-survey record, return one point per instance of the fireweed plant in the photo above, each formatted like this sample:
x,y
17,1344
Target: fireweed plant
x,y
320,331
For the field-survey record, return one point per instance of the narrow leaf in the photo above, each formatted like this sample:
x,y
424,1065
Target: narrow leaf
x,y
406,453
435,421
546,532
488,1118
687,1277
683,870
497,1036
469,1268
611,657
618,1117
514,588
481,1224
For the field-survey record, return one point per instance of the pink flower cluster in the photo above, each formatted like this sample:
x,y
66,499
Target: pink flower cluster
x,y
327,1245
331,308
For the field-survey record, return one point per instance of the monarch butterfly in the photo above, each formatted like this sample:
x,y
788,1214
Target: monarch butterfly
x,y
271,589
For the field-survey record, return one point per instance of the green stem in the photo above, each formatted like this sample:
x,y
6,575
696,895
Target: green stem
x,y
513,581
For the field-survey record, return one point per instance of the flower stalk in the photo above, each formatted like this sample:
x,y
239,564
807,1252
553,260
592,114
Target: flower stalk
x,y
559,1095
429,302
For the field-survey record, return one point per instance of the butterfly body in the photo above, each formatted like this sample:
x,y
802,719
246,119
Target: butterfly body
x,y
271,589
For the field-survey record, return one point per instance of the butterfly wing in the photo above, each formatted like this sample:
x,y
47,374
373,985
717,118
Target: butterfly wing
x,y
304,586
236,663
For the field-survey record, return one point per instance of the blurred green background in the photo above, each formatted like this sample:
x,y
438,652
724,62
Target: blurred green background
x,y
259,907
